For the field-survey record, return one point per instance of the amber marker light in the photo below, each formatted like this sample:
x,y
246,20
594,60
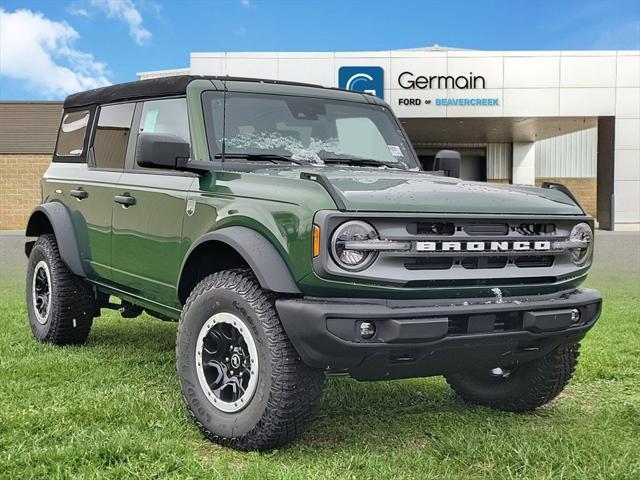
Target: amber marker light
x,y
316,241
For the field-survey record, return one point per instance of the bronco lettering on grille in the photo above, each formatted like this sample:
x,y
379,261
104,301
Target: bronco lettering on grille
x,y
502,246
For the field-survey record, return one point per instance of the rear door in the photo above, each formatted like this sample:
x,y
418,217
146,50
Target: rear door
x,y
147,232
87,166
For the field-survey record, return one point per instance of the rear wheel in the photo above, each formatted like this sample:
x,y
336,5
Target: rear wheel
x,y
518,388
241,378
61,305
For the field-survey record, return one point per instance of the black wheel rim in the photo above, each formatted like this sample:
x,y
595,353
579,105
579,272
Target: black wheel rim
x,y
226,361
41,292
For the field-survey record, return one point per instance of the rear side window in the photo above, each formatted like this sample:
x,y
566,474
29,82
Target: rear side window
x,y
72,132
166,116
112,135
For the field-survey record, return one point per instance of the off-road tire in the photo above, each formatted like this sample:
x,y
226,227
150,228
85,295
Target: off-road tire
x,y
72,306
287,392
528,387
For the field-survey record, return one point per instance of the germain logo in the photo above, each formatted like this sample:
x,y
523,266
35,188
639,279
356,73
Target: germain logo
x,y
517,246
362,79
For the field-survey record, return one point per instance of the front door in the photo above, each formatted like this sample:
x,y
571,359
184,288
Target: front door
x,y
147,224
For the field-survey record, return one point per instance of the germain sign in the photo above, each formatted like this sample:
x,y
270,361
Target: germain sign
x,y
408,80
370,79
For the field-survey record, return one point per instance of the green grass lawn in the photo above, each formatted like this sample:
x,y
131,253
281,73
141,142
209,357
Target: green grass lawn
x,y
112,409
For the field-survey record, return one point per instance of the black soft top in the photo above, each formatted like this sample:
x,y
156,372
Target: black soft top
x,y
154,87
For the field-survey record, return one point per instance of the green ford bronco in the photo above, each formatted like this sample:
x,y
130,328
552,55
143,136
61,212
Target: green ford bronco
x,y
292,232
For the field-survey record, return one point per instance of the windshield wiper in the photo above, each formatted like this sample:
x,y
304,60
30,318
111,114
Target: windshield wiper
x,y
370,162
253,157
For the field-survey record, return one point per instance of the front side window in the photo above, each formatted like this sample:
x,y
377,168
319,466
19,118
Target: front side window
x,y
166,116
308,130
72,132
112,135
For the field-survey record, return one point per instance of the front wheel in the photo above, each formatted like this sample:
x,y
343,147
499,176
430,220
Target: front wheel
x,y
243,382
518,388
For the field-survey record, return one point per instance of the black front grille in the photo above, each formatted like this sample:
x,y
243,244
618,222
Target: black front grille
x,y
486,229
480,282
480,244
435,263
473,263
431,228
535,228
480,262
543,261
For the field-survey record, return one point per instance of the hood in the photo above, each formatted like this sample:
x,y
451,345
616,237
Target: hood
x,y
388,190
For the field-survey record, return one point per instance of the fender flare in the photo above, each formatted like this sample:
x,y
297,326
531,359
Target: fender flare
x,y
259,253
60,220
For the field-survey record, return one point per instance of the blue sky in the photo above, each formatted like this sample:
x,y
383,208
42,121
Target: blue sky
x,y
51,48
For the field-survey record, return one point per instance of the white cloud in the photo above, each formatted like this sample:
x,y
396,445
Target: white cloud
x,y
239,31
41,52
245,3
126,11
77,11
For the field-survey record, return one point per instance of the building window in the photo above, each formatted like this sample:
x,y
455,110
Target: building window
x,y
112,135
71,134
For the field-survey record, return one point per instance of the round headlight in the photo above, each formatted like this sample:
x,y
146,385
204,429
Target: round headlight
x,y
581,233
347,258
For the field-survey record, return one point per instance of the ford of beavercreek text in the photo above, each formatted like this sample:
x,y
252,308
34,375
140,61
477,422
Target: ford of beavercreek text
x,y
292,233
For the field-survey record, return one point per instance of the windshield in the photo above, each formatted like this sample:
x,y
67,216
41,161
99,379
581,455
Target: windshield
x,y
306,130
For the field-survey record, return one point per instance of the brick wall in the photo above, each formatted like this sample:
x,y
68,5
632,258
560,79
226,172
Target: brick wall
x,y
584,189
20,187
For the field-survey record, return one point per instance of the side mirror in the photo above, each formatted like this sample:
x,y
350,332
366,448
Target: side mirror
x,y
162,150
447,161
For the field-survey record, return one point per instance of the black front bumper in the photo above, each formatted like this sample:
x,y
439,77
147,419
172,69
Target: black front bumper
x,y
417,338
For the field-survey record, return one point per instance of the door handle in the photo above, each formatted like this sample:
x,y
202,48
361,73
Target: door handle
x,y
125,200
79,193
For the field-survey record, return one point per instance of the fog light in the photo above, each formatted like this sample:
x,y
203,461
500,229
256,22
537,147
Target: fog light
x,y
367,330
575,315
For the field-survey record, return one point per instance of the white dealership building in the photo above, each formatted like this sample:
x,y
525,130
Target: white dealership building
x,y
523,117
